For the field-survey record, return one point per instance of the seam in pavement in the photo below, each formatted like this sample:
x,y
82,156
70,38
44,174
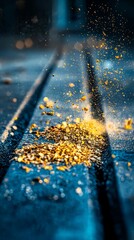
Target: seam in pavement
x,y
108,194
23,115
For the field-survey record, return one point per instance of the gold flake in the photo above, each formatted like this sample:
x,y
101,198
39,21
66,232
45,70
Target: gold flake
x,y
33,126
48,167
45,99
71,85
62,168
128,124
27,169
49,104
129,164
83,98
41,106
46,180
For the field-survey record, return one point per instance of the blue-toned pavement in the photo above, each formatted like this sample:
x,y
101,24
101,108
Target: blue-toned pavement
x,y
18,72
54,211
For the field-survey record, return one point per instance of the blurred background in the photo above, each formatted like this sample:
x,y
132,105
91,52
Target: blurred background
x,y
29,29
40,19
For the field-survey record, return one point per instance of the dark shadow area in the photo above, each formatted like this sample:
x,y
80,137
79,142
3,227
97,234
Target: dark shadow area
x,y
109,199
11,141
95,100
108,195
111,19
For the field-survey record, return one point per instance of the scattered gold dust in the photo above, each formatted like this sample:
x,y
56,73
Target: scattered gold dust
x,y
77,120
74,143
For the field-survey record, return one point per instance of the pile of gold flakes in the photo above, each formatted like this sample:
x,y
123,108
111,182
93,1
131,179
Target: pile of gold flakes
x,y
74,143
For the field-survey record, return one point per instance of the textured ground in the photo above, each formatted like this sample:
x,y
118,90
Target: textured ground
x,y
67,207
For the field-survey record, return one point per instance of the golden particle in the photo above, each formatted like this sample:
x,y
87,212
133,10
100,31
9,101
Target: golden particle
x,y
129,164
78,190
41,106
46,180
27,169
128,124
83,98
71,85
